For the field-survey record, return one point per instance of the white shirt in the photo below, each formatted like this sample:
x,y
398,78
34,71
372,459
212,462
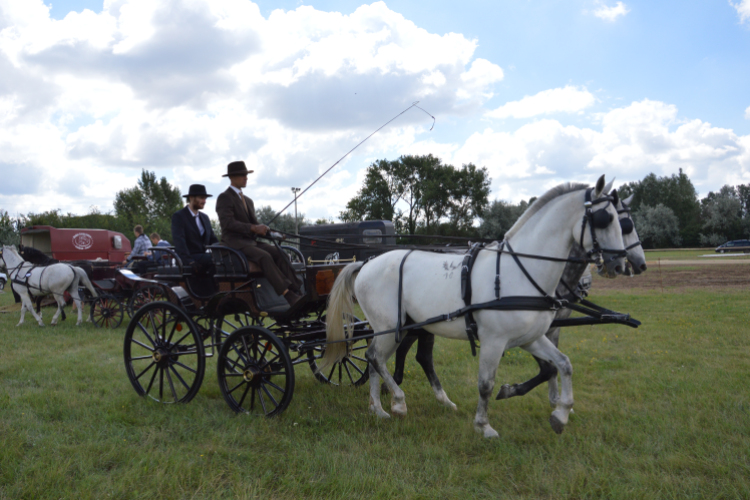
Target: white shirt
x,y
238,191
197,220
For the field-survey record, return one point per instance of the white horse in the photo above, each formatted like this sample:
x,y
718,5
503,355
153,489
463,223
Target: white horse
x,y
55,279
565,215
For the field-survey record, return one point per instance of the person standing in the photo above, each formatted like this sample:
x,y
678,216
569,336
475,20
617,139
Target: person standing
x,y
192,232
240,229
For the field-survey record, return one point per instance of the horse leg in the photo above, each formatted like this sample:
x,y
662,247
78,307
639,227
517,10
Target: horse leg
x,y
489,359
60,304
424,358
401,352
547,373
27,305
377,355
545,349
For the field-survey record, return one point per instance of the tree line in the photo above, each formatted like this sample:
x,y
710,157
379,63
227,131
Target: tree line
x,y
423,196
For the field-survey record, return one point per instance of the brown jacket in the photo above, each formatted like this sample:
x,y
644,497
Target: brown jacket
x,y
235,220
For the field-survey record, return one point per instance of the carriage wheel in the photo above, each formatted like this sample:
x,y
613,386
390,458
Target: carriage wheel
x,y
106,312
144,295
164,355
255,371
352,370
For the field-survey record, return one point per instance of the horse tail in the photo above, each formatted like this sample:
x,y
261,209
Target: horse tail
x,y
340,308
83,277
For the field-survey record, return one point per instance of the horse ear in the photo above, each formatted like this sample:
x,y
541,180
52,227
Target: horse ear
x,y
629,199
599,187
608,187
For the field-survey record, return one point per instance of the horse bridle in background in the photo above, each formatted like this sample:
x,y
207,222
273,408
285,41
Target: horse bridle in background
x,y
599,219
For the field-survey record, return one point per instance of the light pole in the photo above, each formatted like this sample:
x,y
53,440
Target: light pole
x,y
296,223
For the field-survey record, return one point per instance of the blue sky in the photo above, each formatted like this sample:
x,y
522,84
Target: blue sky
x,y
622,88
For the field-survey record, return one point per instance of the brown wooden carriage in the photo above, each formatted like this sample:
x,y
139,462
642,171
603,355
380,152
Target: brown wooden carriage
x,y
236,317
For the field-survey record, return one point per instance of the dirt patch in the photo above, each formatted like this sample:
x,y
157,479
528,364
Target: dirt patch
x,y
675,275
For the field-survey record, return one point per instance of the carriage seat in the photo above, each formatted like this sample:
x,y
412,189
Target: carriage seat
x,y
232,264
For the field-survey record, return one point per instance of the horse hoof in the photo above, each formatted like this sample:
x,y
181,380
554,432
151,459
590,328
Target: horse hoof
x,y
556,424
487,431
505,392
399,409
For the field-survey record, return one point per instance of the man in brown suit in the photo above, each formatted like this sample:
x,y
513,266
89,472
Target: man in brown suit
x,y
240,228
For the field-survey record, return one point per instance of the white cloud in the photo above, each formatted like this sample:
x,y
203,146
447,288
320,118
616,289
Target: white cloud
x,y
747,113
561,100
607,13
743,9
184,86
631,142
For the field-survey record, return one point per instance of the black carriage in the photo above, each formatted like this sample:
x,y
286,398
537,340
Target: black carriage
x,y
236,316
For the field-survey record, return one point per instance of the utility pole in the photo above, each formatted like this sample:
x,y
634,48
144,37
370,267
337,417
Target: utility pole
x,y
296,222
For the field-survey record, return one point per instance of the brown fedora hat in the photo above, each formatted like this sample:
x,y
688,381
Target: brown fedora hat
x,y
237,168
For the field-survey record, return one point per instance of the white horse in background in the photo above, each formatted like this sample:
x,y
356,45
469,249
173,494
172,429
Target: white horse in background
x,y
550,227
28,279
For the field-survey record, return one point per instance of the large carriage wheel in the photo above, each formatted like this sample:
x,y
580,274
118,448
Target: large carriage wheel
x,y
255,372
164,355
144,295
106,312
352,370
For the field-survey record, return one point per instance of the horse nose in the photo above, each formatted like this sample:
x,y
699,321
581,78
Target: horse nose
x,y
643,267
618,269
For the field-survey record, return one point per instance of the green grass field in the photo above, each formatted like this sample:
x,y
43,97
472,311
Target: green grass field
x,y
677,254
661,412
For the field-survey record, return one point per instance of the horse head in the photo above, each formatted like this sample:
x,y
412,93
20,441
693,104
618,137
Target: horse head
x,y
597,234
636,257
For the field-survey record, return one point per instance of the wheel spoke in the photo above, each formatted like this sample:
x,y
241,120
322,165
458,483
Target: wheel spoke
x,y
171,385
138,342
145,370
153,377
179,377
273,400
244,394
185,367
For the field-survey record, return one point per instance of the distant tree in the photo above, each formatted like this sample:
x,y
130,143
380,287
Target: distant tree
x,y
722,216
323,221
675,192
284,222
658,226
93,220
9,234
436,198
150,203
499,217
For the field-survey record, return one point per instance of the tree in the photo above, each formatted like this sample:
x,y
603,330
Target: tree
x,y
436,198
722,216
499,217
284,222
150,203
675,192
9,234
658,226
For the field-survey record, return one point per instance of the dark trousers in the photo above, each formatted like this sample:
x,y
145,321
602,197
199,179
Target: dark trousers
x,y
274,264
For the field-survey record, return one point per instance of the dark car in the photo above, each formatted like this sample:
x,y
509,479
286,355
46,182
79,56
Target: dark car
x,y
734,246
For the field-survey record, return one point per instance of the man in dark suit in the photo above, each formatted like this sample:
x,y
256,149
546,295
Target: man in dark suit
x,y
192,232
240,228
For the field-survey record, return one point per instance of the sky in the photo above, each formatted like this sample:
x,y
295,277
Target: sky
x,y
539,92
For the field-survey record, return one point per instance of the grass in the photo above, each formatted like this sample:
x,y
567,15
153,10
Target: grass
x,y
677,254
661,412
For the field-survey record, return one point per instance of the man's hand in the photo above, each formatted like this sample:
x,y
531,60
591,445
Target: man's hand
x,y
260,229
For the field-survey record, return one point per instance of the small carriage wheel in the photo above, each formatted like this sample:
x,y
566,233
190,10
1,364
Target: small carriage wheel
x,y
352,370
256,374
144,295
106,312
164,355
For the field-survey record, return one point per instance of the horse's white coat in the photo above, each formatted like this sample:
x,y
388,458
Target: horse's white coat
x,y
55,279
432,286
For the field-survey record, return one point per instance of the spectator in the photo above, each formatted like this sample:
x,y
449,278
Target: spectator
x,y
156,241
140,247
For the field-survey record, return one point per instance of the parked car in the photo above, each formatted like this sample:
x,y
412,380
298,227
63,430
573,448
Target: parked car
x,y
734,246
3,280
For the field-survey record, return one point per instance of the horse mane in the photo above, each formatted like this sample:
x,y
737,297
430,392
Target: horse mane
x,y
539,203
35,256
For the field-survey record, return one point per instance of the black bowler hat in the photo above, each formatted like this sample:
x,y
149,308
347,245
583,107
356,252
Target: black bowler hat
x,y
197,190
237,168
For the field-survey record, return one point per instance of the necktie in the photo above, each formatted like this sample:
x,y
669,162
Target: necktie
x,y
244,202
198,223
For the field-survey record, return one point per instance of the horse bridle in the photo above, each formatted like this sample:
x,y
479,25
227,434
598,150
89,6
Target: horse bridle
x,y
598,219
627,225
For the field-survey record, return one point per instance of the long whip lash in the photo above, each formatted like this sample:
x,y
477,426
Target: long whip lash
x,y
413,105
